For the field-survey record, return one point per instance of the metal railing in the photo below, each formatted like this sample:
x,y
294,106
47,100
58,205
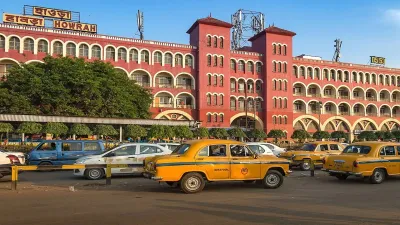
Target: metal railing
x,y
299,94
372,114
164,85
160,105
185,106
344,96
344,113
185,86
371,98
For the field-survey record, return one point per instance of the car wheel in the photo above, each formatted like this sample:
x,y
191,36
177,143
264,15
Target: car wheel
x,y
248,181
46,164
305,166
273,179
192,183
378,176
94,174
341,176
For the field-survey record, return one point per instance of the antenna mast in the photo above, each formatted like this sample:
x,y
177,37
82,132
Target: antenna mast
x,y
140,24
245,25
338,46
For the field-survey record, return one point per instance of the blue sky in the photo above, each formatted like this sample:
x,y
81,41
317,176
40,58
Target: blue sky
x,y
365,27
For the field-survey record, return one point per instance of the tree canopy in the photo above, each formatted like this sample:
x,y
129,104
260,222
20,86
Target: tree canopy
x,y
256,134
368,136
396,134
276,134
201,132
107,130
236,132
135,131
80,129
72,87
301,135
183,132
321,135
339,134
218,133
55,128
29,128
6,127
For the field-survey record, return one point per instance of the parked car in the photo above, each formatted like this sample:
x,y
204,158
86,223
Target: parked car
x,y
20,155
132,153
170,146
6,161
194,163
260,148
275,149
375,160
63,152
314,151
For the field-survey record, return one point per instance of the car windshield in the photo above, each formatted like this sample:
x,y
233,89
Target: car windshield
x,y
181,149
357,149
309,147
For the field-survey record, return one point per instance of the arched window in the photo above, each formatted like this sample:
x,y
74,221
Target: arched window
x,y
233,65
110,53
145,56
215,42
58,48
215,60
284,50
122,54
96,52
274,120
209,60
285,67
29,45
280,120
241,65
295,73
250,67
208,99
275,102
221,61
279,50
284,120
274,49
316,73
215,118
188,60
285,103
221,42
209,79
83,50
326,74
221,81
221,100
279,67
178,60
157,57
302,72
333,77
168,58
209,118
209,41
134,55
280,103
71,49
2,42
43,46
221,118
285,85
280,85
215,80
14,43
273,66
258,67
275,84
215,99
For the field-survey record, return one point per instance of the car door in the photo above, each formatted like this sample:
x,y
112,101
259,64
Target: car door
x,y
122,155
390,157
214,160
70,151
91,148
47,151
244,164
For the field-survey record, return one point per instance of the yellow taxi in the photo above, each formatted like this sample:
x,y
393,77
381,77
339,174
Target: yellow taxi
x,y
194,163
314,151
375,160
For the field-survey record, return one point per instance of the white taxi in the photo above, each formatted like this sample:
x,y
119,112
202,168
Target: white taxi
x,y
133,153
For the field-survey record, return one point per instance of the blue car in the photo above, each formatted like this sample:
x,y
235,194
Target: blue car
x,y
63,152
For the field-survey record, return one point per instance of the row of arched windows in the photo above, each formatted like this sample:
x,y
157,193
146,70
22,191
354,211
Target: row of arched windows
x,y
241,66
279,119
213,60
95,51
242,86
279,49
213,117
215,80
215,99
239,103
280,102
344,76
280,85
279,67
215,41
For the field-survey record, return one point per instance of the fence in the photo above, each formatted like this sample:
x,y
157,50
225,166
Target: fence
x,y
15,170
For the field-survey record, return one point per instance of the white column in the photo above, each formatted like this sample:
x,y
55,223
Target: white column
x,y
120,133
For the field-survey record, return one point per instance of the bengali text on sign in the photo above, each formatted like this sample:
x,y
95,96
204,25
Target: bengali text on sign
x,y
53,13
24,20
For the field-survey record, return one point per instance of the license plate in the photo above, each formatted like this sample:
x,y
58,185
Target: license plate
x,y
338,165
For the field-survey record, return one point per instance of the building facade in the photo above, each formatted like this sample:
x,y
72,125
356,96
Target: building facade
x,y
207,81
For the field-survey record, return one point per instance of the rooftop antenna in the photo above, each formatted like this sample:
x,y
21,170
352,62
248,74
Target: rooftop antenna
x,y
140,24
338,46
246,24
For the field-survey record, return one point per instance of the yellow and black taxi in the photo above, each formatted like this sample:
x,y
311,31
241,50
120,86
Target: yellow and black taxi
x,y
375,160
314,151
194,163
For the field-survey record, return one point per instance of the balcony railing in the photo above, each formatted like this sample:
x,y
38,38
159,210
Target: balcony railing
x,y
299,111
384,100
164,85
329,96
344,97
313,111
358,114
241,90
344,113
314,95
358,97
371,98
161,105
185,106
299,94
330,112
371,114
385,114
143,84
395,100
233,90
233,108
185,86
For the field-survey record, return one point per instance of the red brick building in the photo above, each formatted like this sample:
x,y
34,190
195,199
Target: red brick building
x,y
208,82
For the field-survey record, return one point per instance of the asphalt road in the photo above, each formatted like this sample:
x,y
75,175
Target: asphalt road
x,y
45,198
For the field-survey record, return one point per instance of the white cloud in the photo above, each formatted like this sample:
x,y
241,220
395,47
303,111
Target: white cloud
x,y
393,16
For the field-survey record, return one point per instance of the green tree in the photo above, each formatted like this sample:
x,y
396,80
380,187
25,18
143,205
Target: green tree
x,y
276,134
201,132
321,135
55,128
380,134
388,136
105,130
5,128
218,133
156,131
368,136
135,131
301,135
73,87
29,128
396,134
236,133
80,129
257,134
339,134
183,132
169,132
